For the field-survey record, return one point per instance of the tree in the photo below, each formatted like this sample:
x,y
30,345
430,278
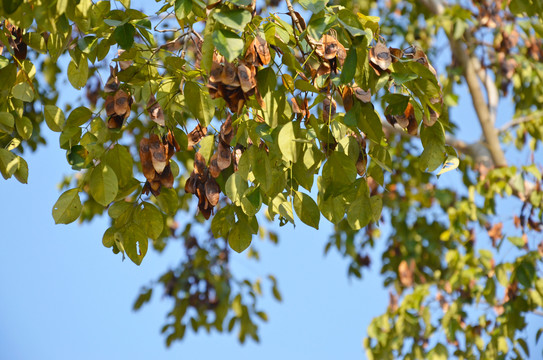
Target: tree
x,y
227,112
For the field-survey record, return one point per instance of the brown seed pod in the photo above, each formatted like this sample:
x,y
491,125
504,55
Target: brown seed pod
x,y
229,75
213,191
246,78
214,169
347,97
396,54
224,154
166,178
190,184
195,136
200,165
146,161
155,111
362,95
158,153
112,83
262,50
226,133
380,56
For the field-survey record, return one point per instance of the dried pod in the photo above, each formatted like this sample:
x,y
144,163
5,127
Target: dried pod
x,y
262,50
347,97
224,155
413,126
217,65
330,47
146,161
361,163
362,95
195,136
166,178
112,83
380,56
155,111
158,153
190,184
123,101
246,78
229,75
214,169
213,191
396,54
227,133
200,165
171,140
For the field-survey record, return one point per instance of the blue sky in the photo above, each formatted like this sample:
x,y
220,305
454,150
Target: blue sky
x,y
65,296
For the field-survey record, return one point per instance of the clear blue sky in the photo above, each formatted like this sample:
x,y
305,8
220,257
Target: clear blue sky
x,y
65,296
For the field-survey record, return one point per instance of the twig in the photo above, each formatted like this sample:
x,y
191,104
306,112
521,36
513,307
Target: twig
x,y
296,22
521,120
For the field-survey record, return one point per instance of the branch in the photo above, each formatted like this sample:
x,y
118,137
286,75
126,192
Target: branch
x,y
473,72
296,22
521,120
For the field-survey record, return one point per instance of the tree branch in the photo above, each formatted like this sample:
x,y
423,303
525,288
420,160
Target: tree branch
x,y
473,73
296,22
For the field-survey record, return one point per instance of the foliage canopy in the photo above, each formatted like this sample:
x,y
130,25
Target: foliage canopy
x,y
235,113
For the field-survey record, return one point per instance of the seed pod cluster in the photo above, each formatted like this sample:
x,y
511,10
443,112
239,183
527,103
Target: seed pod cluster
x,y
155,154
236,82
118,104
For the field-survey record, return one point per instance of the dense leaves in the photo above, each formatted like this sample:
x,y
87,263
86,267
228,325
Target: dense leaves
x,y
233,110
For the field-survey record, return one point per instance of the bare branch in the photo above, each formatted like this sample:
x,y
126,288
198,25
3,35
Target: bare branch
x,y
521,120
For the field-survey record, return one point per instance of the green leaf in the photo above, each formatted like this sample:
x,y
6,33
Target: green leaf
x,y
168,201
287,144
235,19
21,173
23,91
103,184
78,75
440,352
199,103
124,35
433,141
79,116
134,241
10,6
24,127
150,219
333,208
54,117
239,237
349,67
251,201
207,145
369,121
306,209
314,6
68,207
9,163
235,187
121,162
339,172
182,9
451,164
222,221
376,208
396,103
229,44
7,122
360,212
525,273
